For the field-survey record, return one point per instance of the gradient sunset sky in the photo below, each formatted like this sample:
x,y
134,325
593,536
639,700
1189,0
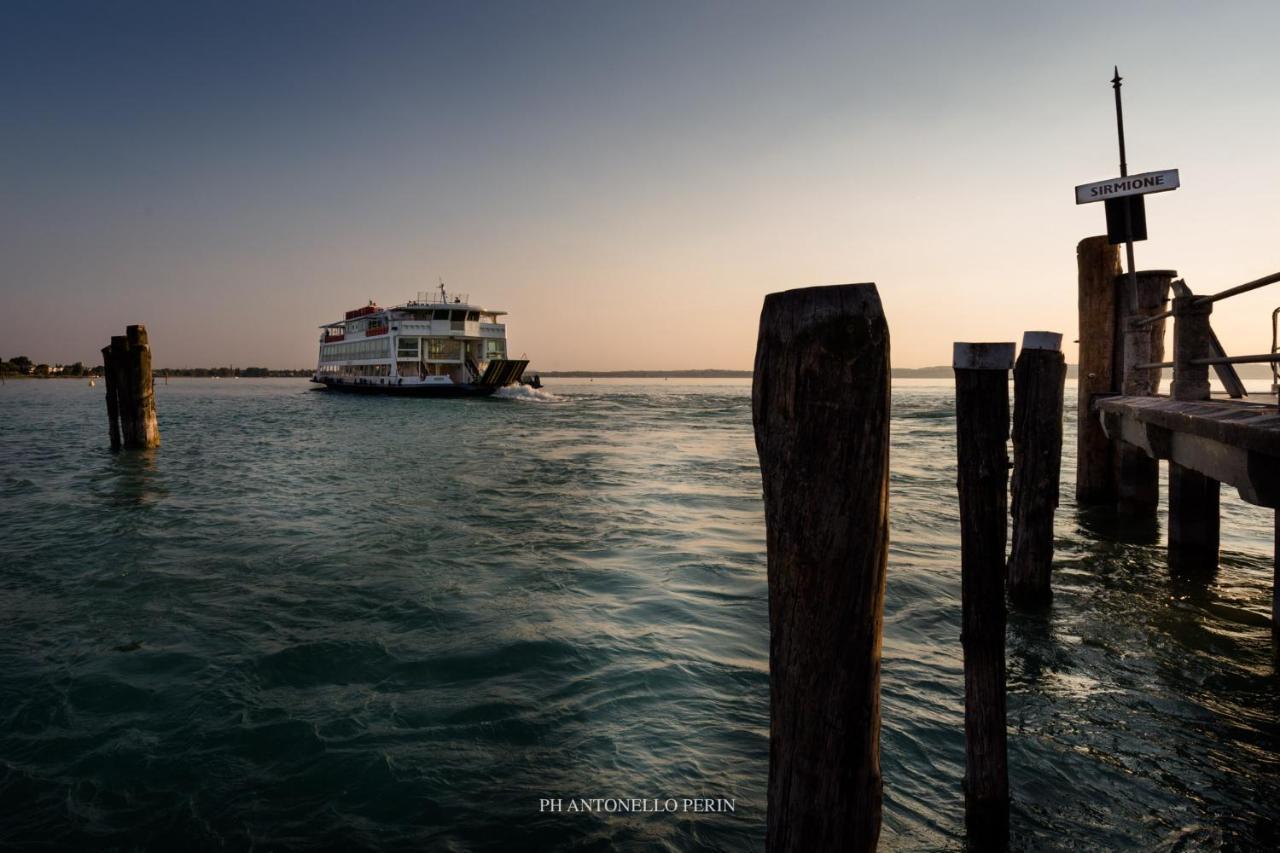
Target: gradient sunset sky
x,y
627,179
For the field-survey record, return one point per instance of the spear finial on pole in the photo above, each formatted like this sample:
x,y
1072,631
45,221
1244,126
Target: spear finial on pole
x,y
1124,171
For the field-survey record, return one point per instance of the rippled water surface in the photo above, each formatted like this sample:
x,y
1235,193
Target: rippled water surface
x,y
316,620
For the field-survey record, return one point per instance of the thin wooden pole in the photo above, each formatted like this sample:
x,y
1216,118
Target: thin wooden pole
x,y
1098,264
1193,497
1039,379
820,405
1139,297
125,404
982,433
113,404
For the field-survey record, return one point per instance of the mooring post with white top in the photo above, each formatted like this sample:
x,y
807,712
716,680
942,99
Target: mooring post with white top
x,y
1193,497
1098,265
820,406
982,435
1039,380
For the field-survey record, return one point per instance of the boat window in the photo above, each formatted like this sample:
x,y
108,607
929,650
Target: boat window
x,y
473,316
458,315
441,315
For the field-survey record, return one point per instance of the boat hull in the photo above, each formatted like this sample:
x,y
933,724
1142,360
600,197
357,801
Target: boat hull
x,y
416,390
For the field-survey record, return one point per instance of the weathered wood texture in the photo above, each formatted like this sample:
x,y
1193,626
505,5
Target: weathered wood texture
x,y
1137,474
1098,264
1275,593
145,427
820,405
1193,497
113,402
982,432
131,391
1039,380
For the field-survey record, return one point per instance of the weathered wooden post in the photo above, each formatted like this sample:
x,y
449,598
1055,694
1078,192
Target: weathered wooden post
x,y
131,390
1275,592
820,405
113,402
982,434
1098,264
146,430
1039,380
1137,474
1193,497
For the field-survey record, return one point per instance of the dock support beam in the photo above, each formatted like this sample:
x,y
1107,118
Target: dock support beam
x,y
1098,264
1038,382
820,407
1193,497
1137,474
982,434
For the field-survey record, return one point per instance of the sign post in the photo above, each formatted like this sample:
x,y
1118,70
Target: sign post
x,y
1123,196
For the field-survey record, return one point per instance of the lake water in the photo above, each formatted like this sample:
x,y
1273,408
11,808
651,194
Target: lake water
x,y
318,620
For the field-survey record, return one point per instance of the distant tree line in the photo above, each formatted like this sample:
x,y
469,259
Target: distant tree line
x,y
20,365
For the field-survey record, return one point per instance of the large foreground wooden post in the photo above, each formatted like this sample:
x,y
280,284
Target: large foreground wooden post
x,y
820,404
1137,474
982,434
1039,379
1098,264
1275,593
1193,497
131,404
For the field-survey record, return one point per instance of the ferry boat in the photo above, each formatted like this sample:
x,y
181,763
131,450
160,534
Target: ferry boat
x,y
440,345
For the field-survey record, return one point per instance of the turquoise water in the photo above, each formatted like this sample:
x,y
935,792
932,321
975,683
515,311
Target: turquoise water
x,y
315,620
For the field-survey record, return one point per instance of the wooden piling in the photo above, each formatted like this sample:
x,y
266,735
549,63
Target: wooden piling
x,y
982,433
1098,264
146,429
1039,380
113,404
1275,592
1193,497
820,406
131,408
1138,474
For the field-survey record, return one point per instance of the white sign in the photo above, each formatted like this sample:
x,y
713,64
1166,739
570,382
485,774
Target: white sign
x,y
1147,182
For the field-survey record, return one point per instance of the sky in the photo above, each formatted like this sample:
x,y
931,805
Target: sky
x,y
627,179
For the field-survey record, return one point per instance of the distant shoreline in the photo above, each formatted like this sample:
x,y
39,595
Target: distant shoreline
x,y
1247,371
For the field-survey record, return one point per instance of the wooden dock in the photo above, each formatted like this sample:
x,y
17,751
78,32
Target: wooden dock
x,y
1205,442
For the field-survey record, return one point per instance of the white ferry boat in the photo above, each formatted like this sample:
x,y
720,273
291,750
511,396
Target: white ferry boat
x,y
442,346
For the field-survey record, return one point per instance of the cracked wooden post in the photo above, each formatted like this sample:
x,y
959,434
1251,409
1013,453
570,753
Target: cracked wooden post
x,y
820,406
131,406
1137,474
982,434
113,403
1039,379
1193,497
1098,264
145,430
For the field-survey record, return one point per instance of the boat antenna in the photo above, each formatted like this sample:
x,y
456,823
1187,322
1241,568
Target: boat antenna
x,y
443,296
